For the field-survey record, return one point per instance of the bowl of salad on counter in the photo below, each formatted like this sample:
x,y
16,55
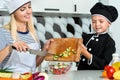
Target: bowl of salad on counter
x,y
59,67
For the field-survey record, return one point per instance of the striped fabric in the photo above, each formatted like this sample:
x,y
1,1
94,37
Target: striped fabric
x,y
5,39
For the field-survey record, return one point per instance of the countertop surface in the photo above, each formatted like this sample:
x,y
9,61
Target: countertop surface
x,y
78,75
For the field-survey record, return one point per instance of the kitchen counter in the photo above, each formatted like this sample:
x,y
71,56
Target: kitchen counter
x,y
78,75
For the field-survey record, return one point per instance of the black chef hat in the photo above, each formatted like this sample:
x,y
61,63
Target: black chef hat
x,y
110,12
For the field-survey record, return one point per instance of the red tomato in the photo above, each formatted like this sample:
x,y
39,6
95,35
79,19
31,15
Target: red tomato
x,y
57,71
62,70
110,71
106,67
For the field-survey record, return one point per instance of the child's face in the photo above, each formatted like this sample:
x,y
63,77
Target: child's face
x,y
100,24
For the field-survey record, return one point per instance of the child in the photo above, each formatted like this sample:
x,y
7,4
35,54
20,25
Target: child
x,y
98,47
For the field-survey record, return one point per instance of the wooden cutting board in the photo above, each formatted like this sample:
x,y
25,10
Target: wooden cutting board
x,y
60,45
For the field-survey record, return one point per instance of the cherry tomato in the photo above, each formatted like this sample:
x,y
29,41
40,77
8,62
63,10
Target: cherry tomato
x,y
110,71
57,71
106,67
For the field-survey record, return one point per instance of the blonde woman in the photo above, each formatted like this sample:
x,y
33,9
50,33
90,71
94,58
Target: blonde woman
x,y
20,33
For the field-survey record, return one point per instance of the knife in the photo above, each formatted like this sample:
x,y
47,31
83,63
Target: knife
x,y
35,52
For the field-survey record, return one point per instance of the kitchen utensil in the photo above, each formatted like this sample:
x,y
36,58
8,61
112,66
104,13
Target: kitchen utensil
x,y
35,52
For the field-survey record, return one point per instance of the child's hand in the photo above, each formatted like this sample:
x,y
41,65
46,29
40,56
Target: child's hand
x,y
84,49
85,52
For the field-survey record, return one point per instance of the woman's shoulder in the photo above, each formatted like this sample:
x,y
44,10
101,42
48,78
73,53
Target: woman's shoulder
x,y
4,30
5,35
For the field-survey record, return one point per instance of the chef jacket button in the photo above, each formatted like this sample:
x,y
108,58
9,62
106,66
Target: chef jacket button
x,y
89,49
83,59
92,38
97,39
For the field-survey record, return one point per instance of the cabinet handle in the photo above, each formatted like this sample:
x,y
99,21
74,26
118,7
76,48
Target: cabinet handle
x,y
75,7
51,9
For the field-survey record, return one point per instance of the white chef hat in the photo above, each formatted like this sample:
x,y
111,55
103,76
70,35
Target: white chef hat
x,y
13,5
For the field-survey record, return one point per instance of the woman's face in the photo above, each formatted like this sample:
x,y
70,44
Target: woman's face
x,y
100,24
24,13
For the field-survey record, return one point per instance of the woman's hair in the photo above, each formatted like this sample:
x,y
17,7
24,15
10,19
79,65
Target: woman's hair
x,y
12,27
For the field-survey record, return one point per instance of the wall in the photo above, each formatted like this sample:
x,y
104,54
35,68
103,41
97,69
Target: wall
x,y
115,27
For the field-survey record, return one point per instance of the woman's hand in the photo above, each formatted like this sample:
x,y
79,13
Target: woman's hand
x,y
20,46
47,44
45,48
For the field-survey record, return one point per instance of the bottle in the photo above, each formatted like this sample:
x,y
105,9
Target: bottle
x,y
115,58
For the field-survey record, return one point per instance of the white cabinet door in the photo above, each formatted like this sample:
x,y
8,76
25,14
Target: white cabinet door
x,y
56,6
83,6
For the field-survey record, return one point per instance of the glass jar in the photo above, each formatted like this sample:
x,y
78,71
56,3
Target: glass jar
x,y
115,58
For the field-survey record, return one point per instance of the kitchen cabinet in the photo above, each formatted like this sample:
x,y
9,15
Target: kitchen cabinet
x,y
84,6
60,6
54,6
63,6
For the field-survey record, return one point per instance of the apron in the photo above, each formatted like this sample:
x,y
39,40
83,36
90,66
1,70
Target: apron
x,y
23,62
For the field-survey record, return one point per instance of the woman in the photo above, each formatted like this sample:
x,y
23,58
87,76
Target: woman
x,y
98,47
20,33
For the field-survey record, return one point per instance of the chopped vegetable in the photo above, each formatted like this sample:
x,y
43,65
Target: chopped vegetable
x,y
5,75
6,70
59,68
68,51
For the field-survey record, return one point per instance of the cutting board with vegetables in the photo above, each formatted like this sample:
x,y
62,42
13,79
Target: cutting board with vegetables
x,y
64,49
